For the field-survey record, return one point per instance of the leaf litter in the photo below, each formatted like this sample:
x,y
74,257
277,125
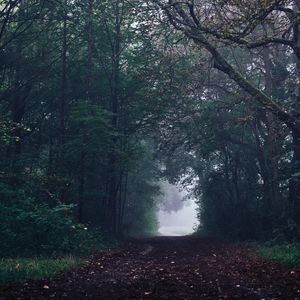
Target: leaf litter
x,y
187,268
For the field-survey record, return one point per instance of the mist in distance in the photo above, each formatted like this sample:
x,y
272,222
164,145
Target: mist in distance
x,y
178,213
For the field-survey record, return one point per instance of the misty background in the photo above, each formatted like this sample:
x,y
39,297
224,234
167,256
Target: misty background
x,y
178,212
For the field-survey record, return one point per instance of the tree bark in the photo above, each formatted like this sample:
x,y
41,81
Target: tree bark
x,y
81,187
63,89
294,186
113,159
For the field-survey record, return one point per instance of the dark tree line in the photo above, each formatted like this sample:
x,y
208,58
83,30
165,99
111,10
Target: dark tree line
x,y
77,86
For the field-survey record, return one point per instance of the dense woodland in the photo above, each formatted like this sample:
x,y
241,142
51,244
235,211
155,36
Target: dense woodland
x,y
102,100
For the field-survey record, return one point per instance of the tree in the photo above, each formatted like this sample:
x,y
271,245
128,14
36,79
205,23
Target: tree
x,y
76,86
215,24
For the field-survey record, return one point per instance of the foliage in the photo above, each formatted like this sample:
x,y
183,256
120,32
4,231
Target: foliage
x,y
240,130
29,227
288,254
76,94
98,97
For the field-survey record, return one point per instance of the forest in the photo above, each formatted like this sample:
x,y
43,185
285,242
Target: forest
x,y
102,101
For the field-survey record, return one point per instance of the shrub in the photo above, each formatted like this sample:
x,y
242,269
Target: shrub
x,y
29,227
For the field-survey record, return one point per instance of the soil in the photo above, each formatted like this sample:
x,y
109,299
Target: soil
x,y
168,268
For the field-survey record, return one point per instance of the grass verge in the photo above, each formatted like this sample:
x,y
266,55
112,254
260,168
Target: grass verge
x,y
286,254
19,269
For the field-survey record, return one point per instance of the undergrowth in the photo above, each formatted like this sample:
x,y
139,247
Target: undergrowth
x,y
288,254
19,269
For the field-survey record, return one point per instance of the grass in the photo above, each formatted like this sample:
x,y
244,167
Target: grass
x,y
17,270
286,254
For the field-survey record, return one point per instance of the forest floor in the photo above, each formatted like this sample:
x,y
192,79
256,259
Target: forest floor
x,y
168,268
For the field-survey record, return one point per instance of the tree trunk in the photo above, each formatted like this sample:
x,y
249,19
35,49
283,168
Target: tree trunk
x,y
90,49
294,186
63,90
18,110
113,159
271,139
81,186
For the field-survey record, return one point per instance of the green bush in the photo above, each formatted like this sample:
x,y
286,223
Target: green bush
x,y
29,227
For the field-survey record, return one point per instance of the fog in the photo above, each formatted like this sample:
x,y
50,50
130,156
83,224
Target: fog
x,y
178,214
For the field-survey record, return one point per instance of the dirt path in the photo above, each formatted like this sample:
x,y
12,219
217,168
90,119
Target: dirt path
x,y
169,268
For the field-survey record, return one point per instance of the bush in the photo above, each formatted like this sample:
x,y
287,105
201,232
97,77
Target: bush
x,y
29,227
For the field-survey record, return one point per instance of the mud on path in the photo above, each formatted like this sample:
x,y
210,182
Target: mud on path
x,y
168,268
